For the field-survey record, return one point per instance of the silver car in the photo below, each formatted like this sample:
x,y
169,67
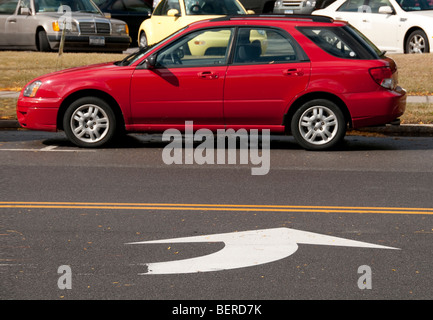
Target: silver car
x,y
294,6
38,25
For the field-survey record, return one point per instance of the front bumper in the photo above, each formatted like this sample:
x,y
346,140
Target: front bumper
x,y
293,10
38,113
91,42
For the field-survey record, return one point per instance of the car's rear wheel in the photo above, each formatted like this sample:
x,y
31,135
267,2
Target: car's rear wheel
x,y
417,42
318,125
89,122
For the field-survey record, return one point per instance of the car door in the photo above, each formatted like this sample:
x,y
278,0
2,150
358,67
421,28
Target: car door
x,y
7,18
186,82
387,23
22,26
268,71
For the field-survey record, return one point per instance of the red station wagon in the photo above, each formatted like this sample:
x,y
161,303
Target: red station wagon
x,y
309,76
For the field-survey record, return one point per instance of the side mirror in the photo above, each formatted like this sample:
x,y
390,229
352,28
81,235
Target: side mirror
x,y
107,15
386,10
250,12
25,12
150,62
173,13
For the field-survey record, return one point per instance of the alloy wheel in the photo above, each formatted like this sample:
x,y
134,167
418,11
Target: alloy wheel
x,y
90,123
318,125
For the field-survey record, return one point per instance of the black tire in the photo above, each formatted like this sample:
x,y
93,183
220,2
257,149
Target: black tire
x,y
89,122
318,125
43,44
142,42
417,42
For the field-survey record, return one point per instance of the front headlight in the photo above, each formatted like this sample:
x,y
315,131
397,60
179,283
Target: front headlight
x,y
120,28
31,90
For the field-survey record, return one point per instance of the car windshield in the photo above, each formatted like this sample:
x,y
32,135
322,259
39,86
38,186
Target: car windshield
x,y
415,5
74,5
213,7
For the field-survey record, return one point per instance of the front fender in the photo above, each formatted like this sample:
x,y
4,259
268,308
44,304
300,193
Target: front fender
x,y
147,29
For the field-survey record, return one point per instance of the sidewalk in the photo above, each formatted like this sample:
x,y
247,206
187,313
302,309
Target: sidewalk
x,y
424,130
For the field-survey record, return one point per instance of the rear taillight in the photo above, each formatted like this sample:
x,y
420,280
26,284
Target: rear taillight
x,y
384,77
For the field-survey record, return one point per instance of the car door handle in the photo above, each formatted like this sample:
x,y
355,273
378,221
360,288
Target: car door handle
x,y
293,72
209,75
12,20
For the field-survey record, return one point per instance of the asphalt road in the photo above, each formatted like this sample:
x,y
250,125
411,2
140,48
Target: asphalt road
x,y
63,206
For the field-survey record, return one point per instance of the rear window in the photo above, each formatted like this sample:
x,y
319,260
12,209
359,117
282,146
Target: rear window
x,y
342,42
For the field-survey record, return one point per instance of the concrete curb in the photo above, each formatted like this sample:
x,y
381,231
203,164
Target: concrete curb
x,y
9,94
408,130
9,124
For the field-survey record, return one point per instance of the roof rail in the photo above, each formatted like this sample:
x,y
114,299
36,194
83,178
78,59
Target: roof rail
x,y
313,18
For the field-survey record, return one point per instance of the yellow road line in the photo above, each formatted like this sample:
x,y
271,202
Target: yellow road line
x,y
213,207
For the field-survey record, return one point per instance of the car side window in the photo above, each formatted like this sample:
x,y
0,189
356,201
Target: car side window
x,y
158,9
333,40
352,6
25,4
165,6
8,6
263,45
200,48
374,5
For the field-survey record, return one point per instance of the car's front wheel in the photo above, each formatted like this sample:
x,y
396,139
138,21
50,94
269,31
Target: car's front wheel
x,y
142,43
417,42
318,125
43,44
89,122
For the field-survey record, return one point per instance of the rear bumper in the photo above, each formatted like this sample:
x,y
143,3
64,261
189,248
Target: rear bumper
x,y
376,108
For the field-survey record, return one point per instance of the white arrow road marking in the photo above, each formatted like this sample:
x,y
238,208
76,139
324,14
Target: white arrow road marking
x,y
248,248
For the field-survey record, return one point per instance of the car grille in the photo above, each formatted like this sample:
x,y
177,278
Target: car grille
x,y
94,28
292,3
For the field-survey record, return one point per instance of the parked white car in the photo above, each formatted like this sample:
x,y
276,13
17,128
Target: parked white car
x,y
400,26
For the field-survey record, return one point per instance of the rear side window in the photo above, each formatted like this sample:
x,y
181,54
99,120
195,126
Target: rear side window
x,y
342,42
266,45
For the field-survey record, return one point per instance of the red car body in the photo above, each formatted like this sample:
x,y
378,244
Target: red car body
x,y
251,96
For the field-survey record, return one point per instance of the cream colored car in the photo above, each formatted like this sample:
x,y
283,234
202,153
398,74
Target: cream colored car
x,y
172,15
